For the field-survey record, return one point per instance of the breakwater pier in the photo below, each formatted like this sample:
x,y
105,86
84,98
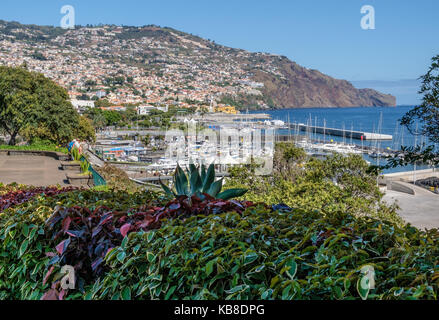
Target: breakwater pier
x,y
358,135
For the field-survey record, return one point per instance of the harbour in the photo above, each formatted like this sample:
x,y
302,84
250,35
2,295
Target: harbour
x,y
144,152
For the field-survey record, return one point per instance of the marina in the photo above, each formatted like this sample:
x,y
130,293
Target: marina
x,y
127,148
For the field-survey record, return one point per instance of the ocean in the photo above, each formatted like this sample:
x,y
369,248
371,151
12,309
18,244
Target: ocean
x,y
359,119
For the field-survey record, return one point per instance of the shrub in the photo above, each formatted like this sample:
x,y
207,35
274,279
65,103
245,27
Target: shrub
x,y
6,188
338,183
261,254
117,179
252,253
84,237
22,251
25,241
15,194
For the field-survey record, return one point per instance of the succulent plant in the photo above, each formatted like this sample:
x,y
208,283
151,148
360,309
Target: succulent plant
x,y
199,182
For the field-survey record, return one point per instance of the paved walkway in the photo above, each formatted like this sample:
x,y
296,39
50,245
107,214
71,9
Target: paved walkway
x,y
31,170
421,210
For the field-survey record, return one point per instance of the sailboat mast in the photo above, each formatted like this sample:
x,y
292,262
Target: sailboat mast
x,y
416,145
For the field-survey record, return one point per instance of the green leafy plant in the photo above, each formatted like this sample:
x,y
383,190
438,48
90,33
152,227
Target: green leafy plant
x,y
75,154
337,183
216,252
27,249
85,166
261,253
16,194
200,182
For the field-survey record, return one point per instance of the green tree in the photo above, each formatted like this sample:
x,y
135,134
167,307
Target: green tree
x,y
16,100
102,103
427,113
288,160
337,184
99,121
112,117
86,131
130,114
35,106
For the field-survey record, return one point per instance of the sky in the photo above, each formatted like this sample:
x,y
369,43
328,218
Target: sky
x,y
317,34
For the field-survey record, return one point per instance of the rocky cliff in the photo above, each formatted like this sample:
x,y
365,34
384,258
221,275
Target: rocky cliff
x,y
299,87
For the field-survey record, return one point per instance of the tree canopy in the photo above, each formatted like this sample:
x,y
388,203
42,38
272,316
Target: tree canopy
x,y
34,106
426,115
338,183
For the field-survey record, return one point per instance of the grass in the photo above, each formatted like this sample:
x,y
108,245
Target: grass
x,y
35,147
101,188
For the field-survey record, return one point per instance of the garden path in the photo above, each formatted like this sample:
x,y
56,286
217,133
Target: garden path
x,y
31,170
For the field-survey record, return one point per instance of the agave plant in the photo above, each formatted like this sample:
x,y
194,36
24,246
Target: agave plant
x,y
200,182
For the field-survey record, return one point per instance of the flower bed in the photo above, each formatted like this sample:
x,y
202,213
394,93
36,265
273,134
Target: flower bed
x,y
13,195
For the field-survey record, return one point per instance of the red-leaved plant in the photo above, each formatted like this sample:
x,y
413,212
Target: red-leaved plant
x,y
85,237
17,197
